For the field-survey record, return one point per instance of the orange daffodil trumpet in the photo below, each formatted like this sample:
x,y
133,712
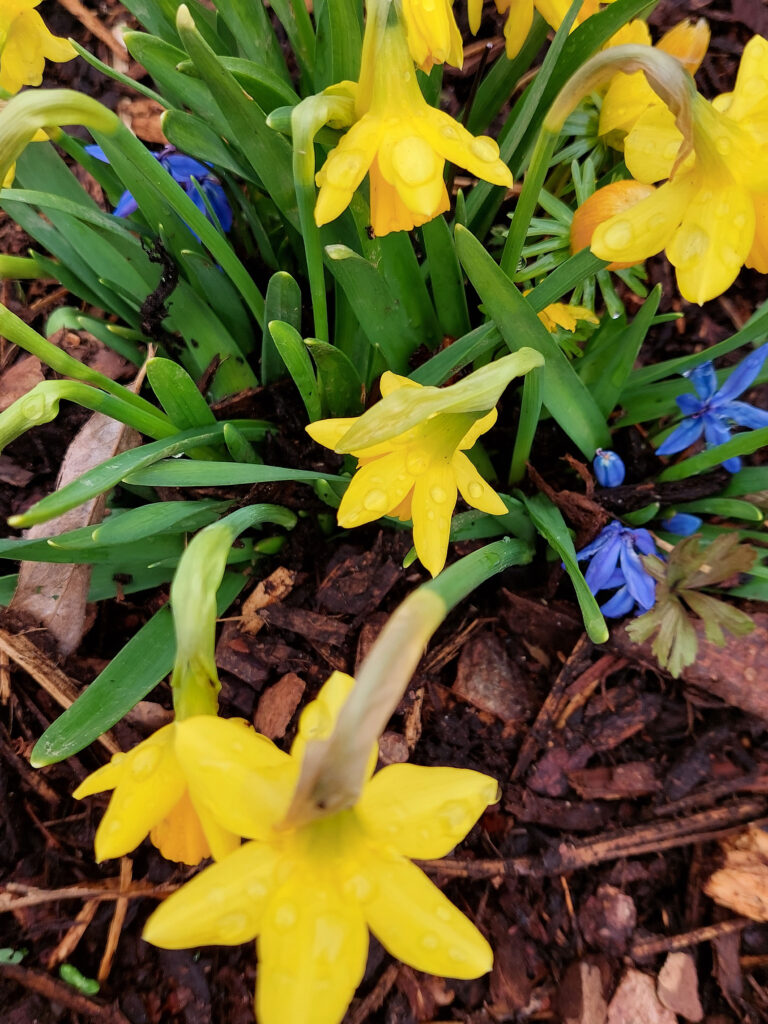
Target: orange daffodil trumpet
x,y
309,893
410,449
398,139
25,44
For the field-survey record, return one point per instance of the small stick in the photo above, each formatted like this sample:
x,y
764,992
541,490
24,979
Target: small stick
x,y
375,997
670,943
59,992
94,26
29,896
69,943
117,922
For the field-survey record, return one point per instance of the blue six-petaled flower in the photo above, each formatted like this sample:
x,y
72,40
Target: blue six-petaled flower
x,y
614,562
714,411
195,178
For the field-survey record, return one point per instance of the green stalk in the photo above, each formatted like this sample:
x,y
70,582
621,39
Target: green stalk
x,y
333,770
530,410
18,268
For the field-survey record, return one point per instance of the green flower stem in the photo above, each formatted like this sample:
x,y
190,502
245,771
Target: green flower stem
x,y
334,769
41,405
21,334
530,410
19,268
306,121
528,201
194,681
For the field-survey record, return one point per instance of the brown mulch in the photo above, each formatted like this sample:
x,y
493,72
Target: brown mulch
x,y
619,785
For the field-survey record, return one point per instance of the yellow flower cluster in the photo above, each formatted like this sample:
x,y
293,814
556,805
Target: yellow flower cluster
x,y
307,892
711,213
520,17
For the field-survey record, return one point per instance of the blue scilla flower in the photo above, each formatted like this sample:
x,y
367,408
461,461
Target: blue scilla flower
x,y
614,562
714,411
682,524
609,468
182,169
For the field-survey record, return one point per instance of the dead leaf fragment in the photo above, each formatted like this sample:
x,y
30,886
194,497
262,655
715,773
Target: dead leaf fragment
x,y
678,986
18,379
580,998
742,883
635,1002
278,705
488,678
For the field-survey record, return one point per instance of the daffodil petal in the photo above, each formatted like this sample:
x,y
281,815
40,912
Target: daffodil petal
x,y
758,254
424,812
750,93
713,241
389,382
329,432
517,26
312,952
645,229
345,167
375,489
415,922
223,905
688,41
239,776
221,841
478,154
104,778
652,146
474,490
434,499
479,427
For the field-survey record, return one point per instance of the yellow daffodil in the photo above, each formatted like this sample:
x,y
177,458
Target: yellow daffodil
x,y
560,314
520,17
413,468
628,96
433,35
25,42
152,796
607,202
711,215
401,142
310,893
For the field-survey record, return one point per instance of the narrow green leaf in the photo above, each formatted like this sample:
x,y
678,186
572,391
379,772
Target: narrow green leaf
x,y
563,393
401,271
338,43
551,525
251,27
477,345
446,278
727,508
283,303
294,354
340,383
178,395
189,473
156,518
742,444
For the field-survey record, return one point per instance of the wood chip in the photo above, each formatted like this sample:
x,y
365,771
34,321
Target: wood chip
x,y
581,996
615,782
278,704
742,883
276,587
678,987
393,748
488,678
635,1002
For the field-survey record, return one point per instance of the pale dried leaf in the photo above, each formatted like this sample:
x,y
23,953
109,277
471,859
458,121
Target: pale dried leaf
x,y
635,1002
678,986
741,884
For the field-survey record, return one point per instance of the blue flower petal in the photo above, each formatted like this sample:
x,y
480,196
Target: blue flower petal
x,y
690,405
743,375
745,415
703,379
219,202
182,168
641,585
733,465
681,437
619,605
126,205
683,524
97,152
602,566
604,537
644,542
716,430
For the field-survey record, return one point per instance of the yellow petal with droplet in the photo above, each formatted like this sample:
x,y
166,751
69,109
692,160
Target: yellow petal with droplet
x,y
432,505
652,146
758,254
424,811
376,489
474,490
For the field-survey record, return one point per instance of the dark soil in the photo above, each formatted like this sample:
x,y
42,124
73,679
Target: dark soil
x,y
617,781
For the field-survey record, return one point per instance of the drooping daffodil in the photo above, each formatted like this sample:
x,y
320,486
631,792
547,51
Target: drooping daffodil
x,y
566,315
25,44
711,215
629,96
309,892
400,141
520,17
410,449
433,35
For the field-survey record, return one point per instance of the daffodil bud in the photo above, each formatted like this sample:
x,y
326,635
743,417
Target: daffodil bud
x,y
609,468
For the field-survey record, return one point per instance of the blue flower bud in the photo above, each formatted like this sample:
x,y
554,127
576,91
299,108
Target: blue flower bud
x,y
609,469
683,524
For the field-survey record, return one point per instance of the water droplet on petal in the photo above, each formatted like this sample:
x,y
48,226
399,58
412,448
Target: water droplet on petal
x,y
438,495
358,887
455,814
114,826
476,489
256,890
443,914
285,916
724,145
430,941
670,150
739,220
431,515
448,131
234,928
145,761
458,955
484,149
375,500
416,463
619,235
